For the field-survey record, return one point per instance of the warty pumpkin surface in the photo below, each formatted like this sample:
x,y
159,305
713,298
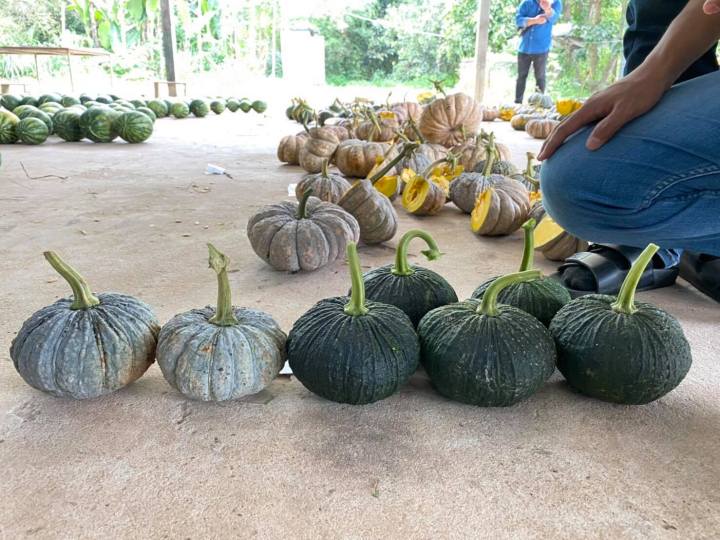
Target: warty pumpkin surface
x,y
617,350
542,297
484,353
352,351
326,186
305,236
320,145
451,119
412,288
85,346
224,352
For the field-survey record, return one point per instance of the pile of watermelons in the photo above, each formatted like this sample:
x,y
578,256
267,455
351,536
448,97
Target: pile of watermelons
x,y
31,120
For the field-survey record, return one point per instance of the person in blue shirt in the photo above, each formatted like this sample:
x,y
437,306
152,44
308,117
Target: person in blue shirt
x,y
535,20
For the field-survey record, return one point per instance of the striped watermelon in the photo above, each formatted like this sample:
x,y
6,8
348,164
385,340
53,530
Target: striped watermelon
x,y
259,106
159,107
97,124
148,113
218,107
32,131
134,127
67,125
180,110
199,108
8,127
10,101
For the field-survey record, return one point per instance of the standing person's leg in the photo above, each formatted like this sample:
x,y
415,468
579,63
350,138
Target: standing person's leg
x,y
657,180
524,61
540,67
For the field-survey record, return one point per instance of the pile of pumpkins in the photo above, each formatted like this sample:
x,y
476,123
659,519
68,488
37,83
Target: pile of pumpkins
x,y
101,119
539,117
494,349
423,157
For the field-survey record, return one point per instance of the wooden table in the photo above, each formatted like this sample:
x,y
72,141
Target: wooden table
x,y
67,52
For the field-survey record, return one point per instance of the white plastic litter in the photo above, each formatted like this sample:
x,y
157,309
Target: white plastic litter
x,y
291,190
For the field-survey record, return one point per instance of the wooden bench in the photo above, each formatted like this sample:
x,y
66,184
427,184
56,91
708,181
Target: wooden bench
x,y
172,87
5,87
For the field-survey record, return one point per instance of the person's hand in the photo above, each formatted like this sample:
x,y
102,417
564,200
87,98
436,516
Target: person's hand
x,y
712,7
540,19
614,107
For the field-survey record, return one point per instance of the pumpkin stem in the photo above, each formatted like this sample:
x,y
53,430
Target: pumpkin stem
x,y
528,252
430,168
625,302
402,266
302,207
488,306
490,157
356,306
529,173
224,314
324,167
439,87
415,129
83,298
393,162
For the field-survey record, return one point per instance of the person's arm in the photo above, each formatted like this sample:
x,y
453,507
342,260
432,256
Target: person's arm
x,y
690,35
555,12
523,18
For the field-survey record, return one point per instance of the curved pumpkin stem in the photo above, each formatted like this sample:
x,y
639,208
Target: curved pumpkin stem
x,y
356,306
407,149
83,298
529,173
402,266
324,167
415,129
528,251
489,302
302,207
625,302
224,315
430,168
490,157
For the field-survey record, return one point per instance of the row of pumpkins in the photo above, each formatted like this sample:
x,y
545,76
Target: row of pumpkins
x,y
538,118
32,120
471,170
494,349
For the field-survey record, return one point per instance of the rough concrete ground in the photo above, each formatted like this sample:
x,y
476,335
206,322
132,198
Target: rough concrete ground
x,y
147,463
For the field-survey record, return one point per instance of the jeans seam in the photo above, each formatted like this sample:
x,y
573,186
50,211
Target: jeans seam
x,y
672,180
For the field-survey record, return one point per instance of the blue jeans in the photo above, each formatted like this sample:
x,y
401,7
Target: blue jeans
x,y
657,180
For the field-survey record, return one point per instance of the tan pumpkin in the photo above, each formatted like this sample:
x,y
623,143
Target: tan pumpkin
x,y
470,152
554,242
292,236
466,188
341,132
381,127
490,114
421,157
320,145
356,158
451,119
289,148
326,186
407,110
519,121
422,196
374,211
541,128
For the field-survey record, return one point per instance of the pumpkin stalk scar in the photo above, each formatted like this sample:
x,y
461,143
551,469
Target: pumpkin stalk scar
x,y
356,306
224,315
625,302
402,266
302,207
393,162
489,301
528,251
83,298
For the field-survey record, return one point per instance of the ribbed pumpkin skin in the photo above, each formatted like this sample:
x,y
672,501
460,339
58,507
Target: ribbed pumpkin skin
x,y
630,359
541,298
86,353
217,363
330,188
464,190
415,295
485,361
350,359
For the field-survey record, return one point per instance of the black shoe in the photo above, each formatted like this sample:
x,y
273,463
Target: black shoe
x,y
702,272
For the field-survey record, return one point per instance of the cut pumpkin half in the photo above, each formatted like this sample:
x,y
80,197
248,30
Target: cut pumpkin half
x,y
554,242
423,197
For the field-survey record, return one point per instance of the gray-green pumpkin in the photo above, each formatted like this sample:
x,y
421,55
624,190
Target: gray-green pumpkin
x,y
86,346
292,236
542,297
617,350
484,353
326,186
224,352
412,288
352,351
464,190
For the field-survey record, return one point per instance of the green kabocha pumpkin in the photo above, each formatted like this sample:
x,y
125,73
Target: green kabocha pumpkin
x,y
484,353
542,297
304,236
221,353
352,351
86,346
414,289
326,186
617,350
32,131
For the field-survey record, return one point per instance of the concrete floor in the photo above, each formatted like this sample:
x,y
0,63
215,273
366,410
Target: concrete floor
x,y
147,463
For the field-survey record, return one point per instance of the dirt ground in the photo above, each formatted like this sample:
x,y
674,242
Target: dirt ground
x,y
147,463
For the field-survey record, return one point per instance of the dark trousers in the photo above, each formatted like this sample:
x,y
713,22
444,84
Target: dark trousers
x,y
539,63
